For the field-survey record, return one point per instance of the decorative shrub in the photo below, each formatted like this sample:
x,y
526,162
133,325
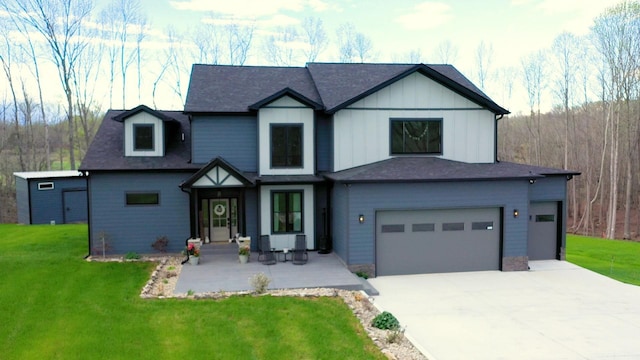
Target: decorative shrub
x,y
259,282
386,321
362,274
161,244
132,255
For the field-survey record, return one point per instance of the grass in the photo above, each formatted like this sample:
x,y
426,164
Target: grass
x,y
617,259
55,305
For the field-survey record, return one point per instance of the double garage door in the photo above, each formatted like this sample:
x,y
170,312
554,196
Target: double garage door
x,y
433,241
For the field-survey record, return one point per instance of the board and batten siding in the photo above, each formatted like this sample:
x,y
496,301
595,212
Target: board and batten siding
x,y
131,228
22,200
286,111
280,241
158,134
362,130
234,138
367,199
324,143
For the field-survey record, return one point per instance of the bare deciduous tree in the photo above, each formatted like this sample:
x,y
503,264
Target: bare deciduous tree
x,y
60,24
315,36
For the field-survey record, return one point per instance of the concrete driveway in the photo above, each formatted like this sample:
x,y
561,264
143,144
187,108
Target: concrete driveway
x,y
556,310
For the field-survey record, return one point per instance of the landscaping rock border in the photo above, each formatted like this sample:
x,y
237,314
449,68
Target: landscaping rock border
x,y
394,345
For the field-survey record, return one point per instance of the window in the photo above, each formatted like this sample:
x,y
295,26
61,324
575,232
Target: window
x,y
393,228
143,137
286,211
545,218
453,226
423,227
286,146
419,136
45,186
482,225
146,198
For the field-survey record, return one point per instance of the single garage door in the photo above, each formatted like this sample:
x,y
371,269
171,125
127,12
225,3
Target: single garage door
x,y
434,241
543,231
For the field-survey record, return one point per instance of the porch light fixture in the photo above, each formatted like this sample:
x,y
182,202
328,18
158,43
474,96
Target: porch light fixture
x,y
532,181
361,219
515,213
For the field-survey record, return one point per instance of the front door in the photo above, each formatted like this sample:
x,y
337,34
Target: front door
x,y
223,218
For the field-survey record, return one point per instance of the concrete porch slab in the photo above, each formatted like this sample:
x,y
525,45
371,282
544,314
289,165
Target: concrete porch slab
x,y
220,270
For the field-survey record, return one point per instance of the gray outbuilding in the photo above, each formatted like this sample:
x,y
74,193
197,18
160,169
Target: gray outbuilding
x,y
51,197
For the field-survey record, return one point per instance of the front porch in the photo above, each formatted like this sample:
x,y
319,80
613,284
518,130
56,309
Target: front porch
x,y
220,270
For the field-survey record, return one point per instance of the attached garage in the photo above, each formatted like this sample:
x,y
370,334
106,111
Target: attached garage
x,y
435,241
543,240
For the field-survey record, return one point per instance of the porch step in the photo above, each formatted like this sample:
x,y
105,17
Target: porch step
x,y
219,248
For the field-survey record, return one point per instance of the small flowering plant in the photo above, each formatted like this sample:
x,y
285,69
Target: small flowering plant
x,y
192,250
244,250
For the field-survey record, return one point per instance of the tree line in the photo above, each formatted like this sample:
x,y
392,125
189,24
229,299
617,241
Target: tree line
x,y
65,61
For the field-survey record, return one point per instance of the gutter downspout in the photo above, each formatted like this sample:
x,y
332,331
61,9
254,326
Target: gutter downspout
x,y
495,137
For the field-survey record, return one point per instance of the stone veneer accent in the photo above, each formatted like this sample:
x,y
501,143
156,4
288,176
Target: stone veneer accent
x,y
515,263
369,269
563,253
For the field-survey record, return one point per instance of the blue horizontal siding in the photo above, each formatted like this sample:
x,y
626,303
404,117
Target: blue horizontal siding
x,y
366,199
339,220
22,200
135,228
549,189
47,205
234,138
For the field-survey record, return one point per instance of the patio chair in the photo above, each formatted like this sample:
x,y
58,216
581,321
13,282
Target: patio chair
x,y
299,252
265,253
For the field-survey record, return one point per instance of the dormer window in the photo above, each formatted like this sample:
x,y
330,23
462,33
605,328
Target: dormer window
x,y
286,146
143,137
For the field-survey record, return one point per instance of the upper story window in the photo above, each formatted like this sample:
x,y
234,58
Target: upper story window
x,y
286,146
416,136
143,137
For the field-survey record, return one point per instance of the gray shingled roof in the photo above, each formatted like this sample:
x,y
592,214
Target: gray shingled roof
x,y
427,169
106,151
232,89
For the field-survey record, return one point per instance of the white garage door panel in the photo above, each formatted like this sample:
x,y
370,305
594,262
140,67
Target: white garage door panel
x,y
424,246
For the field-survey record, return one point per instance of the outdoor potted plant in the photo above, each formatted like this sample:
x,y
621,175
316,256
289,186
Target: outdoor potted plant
x,y
194,254
243,254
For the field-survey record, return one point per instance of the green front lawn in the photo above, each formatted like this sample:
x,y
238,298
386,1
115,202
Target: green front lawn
x,y
55,305
617,259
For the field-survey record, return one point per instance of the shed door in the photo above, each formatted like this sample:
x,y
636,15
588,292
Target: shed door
x,y
543,231
74,204
433,241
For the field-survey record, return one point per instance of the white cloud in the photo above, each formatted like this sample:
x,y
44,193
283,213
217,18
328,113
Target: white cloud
x,y
240,9
426,15
580,13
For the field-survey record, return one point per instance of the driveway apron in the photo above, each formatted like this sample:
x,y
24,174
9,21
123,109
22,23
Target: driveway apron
x,y
556,310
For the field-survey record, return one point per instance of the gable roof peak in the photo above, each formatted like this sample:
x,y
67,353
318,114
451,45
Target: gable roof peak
x,y
142,108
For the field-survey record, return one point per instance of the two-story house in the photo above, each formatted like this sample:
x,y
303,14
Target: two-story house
x,y
392,166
